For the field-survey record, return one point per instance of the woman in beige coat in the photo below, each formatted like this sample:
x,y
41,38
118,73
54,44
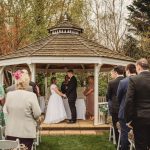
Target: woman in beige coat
x,y
22,110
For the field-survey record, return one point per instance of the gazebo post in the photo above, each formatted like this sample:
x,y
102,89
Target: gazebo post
x,y
13,70
32,68
2,75
46,80
96,77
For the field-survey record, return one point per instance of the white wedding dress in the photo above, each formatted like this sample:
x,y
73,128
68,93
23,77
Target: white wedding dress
x,y
55,109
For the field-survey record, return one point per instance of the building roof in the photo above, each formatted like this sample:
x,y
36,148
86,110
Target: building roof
x,y
65,40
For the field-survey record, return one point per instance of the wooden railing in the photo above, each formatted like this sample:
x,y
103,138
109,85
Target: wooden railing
x,y
101,99
102,117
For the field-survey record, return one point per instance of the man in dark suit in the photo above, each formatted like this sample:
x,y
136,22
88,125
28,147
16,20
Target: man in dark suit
x,y
72,95
137,105
121,95
111,96
64,85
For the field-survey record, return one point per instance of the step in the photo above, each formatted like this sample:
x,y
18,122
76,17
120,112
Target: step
x,y
75,127
79,125
71,132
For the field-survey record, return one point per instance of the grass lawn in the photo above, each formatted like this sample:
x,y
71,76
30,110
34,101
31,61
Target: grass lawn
x,y
76,142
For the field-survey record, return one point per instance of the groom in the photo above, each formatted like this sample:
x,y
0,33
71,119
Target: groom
x,y
72,95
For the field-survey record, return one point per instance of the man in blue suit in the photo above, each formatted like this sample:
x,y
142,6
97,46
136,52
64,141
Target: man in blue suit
x,y
121,95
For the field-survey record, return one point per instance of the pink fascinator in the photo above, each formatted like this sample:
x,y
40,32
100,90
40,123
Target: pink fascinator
x,y
17,75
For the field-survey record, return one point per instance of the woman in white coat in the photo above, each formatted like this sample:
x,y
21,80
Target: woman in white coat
x,y
22,110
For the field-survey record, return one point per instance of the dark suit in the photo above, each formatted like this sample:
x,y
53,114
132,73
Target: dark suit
x,y
72,96
33,84
121,95
111,97
64,87
137,108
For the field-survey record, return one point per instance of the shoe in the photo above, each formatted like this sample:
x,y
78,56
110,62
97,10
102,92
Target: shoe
x,y
71,122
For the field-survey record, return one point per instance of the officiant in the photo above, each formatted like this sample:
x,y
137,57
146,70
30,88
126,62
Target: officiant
x,y
64,85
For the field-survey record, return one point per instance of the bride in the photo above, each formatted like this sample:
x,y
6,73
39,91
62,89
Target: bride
x,y
55,109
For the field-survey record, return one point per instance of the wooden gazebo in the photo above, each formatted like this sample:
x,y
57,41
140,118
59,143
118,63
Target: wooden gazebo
x,y
65,48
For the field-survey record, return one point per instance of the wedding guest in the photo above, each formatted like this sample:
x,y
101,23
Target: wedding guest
x,y
2,100
2,94
22,109
121,95
89,93
111,96
137,105
113,76
13,87
34,86
64,85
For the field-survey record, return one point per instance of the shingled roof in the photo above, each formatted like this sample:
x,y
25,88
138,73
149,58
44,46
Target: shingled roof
x,y
65,40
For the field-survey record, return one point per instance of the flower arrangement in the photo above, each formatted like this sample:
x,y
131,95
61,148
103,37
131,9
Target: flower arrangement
x,y
22,79
17,75
104,108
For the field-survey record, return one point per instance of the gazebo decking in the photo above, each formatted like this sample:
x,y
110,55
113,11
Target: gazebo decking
x,y
80,127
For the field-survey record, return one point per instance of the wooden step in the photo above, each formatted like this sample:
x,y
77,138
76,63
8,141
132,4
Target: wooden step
x,y
75,127
80,127
71,132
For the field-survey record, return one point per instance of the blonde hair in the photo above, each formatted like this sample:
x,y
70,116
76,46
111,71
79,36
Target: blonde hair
x,y
23,82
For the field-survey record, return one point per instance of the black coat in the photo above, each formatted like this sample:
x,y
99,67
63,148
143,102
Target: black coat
x,y
111,95
33,84
137,104
72,89
64,87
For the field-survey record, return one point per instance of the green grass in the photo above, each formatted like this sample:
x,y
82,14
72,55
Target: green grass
x,y
76,142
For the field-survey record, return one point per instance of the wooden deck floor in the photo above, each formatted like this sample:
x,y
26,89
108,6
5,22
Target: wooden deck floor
x,y
80,127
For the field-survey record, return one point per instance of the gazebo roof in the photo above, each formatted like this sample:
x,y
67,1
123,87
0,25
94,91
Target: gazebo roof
x,y
65,24
65,40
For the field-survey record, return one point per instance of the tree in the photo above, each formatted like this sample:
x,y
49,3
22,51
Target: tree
x,y
139,25
14,21
24,21
139,18
3,29
108,20
130,47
